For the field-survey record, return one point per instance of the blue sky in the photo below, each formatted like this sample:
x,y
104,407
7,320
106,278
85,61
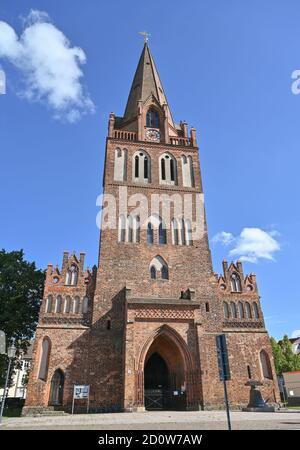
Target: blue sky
x,y
226,68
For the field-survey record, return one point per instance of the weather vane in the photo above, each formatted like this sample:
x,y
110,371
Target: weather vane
x,y
146,36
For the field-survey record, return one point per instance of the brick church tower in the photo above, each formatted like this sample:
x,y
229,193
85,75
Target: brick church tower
x,y
140,328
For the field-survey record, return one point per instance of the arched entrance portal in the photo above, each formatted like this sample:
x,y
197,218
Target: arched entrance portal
x,y
57,388
164,376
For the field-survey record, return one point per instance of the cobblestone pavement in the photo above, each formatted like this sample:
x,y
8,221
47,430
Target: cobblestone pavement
x,y
162,420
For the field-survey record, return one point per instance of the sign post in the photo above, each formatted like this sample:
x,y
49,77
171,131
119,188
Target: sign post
x,y
81,391
224,370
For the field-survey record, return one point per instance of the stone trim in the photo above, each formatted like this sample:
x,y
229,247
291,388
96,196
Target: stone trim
x,y
148,186
73,327
163,301
181,148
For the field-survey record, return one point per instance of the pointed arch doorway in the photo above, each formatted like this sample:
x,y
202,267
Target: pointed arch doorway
x,y
57,388
164,375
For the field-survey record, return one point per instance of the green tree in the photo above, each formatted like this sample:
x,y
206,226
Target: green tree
x,y
279,358
21,288
291,360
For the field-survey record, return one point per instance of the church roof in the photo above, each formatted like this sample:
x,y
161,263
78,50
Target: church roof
x,y
146,82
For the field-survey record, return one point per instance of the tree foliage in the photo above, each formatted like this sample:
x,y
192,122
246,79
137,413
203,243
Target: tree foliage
x,y
291,360
284,358
21,288
278,356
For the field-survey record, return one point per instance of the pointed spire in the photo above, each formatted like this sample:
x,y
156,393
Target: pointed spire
x,y
146,82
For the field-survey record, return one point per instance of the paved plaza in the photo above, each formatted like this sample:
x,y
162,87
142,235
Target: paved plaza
x,y
162,420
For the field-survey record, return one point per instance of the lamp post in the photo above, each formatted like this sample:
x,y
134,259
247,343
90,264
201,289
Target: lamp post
x,y
11,353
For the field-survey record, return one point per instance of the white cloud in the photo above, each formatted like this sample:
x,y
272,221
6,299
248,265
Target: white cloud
x,y
251,245
50,67
295,333
223,237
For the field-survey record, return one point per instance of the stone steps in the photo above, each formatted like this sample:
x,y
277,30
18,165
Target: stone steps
x,y
51,413
42,412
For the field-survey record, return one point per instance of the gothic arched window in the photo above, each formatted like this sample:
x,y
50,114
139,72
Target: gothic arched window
x,y
155,222
149,233
233,310
130,229
44,359
235,283
76,305
172,170
241,310
248,310
68,277
152,118
146,166
153,272
58,304
141,167
162,234
187,171
72,275
168,172
163,169
85,305
122,228
164,273
137,229
158,264
67,304
175,234
136,166
188,232
120,166
49,304
265,365
226,310
182,232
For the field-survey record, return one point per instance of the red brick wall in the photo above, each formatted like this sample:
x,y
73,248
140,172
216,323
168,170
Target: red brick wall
x,y
109,360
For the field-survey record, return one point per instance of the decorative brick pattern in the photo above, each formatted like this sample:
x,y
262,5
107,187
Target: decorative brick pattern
x,y
243,324
163,313
64,320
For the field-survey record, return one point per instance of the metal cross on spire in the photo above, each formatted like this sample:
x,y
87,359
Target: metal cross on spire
x,y
146,36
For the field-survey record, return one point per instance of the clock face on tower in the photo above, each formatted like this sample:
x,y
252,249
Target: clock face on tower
x,y
153,135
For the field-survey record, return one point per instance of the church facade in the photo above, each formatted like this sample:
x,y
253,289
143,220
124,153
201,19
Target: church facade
x,y
140,328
